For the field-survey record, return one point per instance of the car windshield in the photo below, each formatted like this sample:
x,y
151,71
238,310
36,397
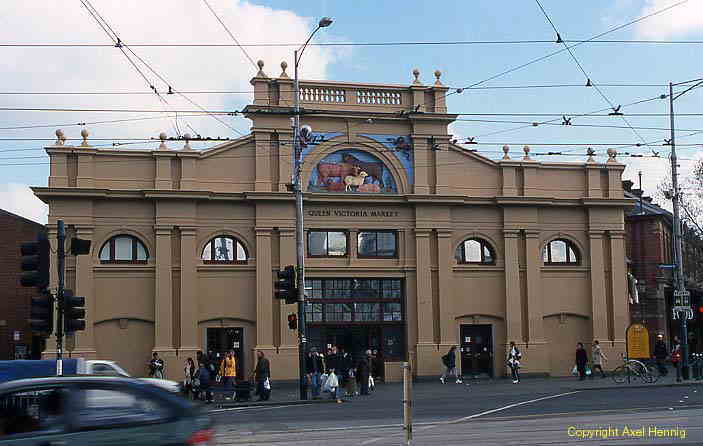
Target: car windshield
x,y
120,370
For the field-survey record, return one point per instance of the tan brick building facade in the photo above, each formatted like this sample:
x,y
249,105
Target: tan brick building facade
x,y
414,243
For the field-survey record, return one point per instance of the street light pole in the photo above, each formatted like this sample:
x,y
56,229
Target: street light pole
x,y
682,304
299,233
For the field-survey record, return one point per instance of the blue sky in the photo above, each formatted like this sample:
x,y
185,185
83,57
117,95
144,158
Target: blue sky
x,y
105,69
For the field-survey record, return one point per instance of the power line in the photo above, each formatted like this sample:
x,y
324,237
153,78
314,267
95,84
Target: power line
x,y
588,78
609,31
230,34
343,44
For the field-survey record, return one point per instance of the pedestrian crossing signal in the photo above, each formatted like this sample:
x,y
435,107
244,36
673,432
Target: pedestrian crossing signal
x,y
292,321
285,286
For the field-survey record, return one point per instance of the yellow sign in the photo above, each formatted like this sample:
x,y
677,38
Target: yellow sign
x,y
638,342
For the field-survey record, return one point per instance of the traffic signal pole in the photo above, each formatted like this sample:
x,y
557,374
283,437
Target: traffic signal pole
x,y
61,257
299,235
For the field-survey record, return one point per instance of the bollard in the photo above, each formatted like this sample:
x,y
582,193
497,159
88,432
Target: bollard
x,y
407,404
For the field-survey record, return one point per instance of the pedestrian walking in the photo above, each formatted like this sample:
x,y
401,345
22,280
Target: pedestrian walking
x,y
449,361
188,376
379,366
156,366
314,366
362,374
514,357
581,361
228,373
597,359
660,355
202,383
262,374
676,357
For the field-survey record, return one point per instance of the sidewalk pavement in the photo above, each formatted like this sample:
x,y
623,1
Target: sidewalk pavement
x,y
287,393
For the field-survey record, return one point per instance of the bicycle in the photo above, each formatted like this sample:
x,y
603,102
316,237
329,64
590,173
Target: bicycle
x,y
633,368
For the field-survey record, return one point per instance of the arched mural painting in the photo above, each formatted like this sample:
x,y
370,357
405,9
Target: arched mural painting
x,y
352,171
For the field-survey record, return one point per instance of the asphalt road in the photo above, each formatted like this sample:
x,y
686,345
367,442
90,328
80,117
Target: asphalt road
x,y
529,413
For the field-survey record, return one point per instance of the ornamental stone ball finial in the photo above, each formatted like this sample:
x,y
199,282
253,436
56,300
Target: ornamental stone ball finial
x,y
526,149
84,135
187,146
260,64
416,73
284,65
437,74
612,153
162,137
506,149
60,137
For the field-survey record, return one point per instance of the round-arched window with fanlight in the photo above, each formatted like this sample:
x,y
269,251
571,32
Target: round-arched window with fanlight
x,y
476,251
560,252
123,249
224,249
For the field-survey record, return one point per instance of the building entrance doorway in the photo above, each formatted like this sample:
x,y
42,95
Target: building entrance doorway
x,y
477,351
220,340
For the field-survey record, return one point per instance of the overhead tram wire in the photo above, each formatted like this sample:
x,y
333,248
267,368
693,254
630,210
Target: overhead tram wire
x,y
118,44
256,67
588,78
354,44
169,84
609,31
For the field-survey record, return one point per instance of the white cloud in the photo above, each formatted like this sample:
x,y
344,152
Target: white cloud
x,y
19,199
679,21
138,21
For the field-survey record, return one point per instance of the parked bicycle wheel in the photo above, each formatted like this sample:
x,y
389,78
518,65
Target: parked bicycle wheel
x,y
619,375
652,374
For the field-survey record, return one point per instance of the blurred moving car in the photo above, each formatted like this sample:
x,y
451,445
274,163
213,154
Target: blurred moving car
x,y
111,368
98,410
10,370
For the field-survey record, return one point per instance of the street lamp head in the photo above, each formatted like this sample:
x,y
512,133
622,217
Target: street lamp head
x,y
325,22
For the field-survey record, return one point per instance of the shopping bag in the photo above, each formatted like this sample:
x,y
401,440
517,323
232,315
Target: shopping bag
x,y
267,384
588,371
575,371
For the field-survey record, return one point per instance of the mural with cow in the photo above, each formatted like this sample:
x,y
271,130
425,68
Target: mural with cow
x,y
352,171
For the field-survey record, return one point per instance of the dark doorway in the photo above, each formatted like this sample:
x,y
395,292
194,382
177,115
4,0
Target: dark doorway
x,y
477,351
222,340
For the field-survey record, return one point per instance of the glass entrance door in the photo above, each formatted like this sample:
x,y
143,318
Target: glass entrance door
x,y
220,340
476,351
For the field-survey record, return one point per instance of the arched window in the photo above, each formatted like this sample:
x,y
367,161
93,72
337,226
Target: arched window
x,y
224,249
560,251
475,250
123,249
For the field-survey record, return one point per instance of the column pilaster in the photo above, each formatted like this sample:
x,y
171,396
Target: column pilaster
x,y
163,296
189,295
287,249
428,356
621,315
448,333
513,301
599,304
536,355
264,290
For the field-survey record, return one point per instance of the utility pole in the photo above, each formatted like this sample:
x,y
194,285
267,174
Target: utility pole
x,y
299,234
682,306
61,257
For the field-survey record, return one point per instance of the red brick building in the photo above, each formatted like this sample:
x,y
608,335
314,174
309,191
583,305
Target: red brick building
x,y
16,340
649,238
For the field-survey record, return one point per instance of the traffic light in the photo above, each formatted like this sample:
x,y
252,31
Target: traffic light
x,y
293,321
35,263
74,313
41,314
284,286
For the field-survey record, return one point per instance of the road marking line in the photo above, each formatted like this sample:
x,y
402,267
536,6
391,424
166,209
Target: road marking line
x,y
229,409
476,415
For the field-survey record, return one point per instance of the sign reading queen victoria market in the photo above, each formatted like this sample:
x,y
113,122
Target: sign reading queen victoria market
x,y
372,213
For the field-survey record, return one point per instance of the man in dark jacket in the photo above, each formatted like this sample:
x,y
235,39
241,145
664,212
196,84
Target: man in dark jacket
x,y
262,372
660,354
362,374
581,361
313,367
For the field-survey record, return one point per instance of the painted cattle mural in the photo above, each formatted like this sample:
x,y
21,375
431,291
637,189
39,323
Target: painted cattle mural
x,y
351,171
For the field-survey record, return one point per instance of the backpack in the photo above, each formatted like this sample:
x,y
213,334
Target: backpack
x,y
445,360
676,356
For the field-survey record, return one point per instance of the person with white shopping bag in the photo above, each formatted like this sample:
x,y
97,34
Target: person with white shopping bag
x,y
262,375
332,386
